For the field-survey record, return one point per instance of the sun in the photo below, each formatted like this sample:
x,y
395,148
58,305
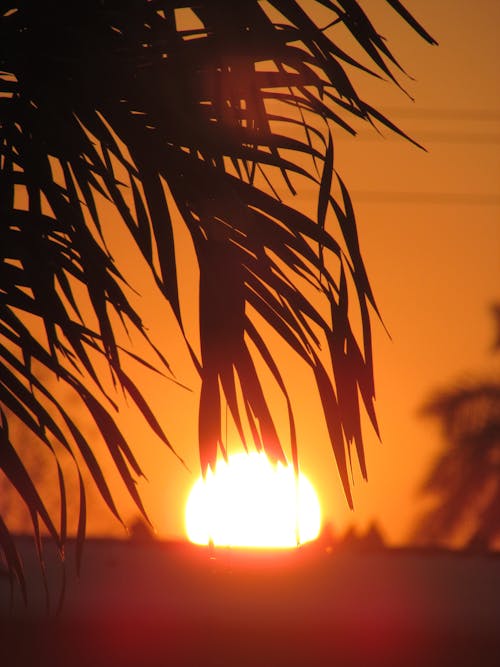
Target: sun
x,y
249,502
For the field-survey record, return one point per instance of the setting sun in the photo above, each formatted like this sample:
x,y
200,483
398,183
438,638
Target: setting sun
x,y
249,502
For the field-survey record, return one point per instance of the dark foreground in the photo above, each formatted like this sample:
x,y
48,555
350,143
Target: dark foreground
x,y
155,604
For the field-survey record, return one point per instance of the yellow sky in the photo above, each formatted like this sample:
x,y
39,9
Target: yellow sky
x,y
429,227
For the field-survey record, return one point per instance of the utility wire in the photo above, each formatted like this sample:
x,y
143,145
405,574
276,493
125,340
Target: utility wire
x,y
445,198
458,136
489,115
479,138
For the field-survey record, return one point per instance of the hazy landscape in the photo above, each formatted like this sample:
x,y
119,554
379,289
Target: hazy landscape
x,y
268,225
164,603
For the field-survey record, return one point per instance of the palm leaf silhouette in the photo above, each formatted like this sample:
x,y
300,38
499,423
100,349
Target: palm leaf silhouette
x,y
463,480
123,101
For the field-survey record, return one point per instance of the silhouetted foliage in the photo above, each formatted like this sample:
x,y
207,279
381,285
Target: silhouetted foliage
x,y
127,103
352,540
465,479
140,531
496,315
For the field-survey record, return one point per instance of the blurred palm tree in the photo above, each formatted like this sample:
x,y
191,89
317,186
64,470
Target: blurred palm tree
x,y
464,481
211,110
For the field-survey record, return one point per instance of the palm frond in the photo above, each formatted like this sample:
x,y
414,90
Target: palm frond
x,y
464,480
125,103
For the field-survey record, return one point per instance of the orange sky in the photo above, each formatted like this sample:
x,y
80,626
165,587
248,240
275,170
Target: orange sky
x,y
430,233
429,228
434,259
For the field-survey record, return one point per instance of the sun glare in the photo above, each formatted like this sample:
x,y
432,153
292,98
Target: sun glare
x,y
249,502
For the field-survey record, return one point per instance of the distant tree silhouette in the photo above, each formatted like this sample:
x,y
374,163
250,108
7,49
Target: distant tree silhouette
x,y
465,478
207,108
352,540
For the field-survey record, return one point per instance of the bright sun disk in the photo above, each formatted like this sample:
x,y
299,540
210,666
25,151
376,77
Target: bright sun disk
x,y
249,502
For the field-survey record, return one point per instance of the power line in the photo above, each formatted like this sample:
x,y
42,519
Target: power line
x,y
483,136
490,115
443,198
478,138
461,137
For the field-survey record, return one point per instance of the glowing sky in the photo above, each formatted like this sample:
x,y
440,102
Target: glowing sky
x,y
429,229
